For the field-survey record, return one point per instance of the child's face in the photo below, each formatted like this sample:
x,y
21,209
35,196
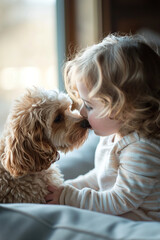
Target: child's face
x,y
102,126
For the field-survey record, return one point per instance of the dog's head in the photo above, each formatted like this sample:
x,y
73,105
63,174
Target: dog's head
x,y
39,125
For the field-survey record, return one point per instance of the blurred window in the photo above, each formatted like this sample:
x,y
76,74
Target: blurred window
x,y
28,54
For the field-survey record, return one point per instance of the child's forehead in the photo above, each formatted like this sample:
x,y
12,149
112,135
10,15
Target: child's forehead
x,y
82,88
84,94
86,74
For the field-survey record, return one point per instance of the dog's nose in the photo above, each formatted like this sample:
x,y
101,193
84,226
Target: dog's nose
x,y
85,124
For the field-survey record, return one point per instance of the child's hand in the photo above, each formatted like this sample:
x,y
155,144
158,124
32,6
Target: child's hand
x,y
54,195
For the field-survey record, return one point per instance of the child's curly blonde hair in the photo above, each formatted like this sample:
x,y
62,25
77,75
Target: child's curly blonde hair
x,y
123,72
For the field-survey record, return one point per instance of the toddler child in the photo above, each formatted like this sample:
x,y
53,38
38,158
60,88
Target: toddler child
x,y
118,83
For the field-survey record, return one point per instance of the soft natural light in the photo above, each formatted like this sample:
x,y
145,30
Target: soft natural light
x,y
25,77
9,78
51,77
29,76
39,1
27,48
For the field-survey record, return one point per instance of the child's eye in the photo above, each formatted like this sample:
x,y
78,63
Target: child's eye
x,y
88,107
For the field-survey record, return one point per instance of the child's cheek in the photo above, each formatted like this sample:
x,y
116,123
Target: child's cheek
x,y
92,121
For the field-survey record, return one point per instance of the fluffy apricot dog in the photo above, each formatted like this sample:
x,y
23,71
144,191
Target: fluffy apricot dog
x,y
39,125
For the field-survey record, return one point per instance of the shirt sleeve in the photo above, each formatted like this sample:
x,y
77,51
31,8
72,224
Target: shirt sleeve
x,y
88,180
134,183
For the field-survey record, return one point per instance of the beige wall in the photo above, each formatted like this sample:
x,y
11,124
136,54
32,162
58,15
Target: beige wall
x,y
88,22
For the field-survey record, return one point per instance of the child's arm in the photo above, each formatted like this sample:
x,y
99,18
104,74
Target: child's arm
x,y
137,176
88,180
124,197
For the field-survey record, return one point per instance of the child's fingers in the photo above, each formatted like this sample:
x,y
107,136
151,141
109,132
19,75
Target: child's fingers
x,y
52,199
52,202
49,197
53,196
52,188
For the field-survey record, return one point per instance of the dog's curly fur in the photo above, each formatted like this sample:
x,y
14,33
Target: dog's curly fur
x,y
39,125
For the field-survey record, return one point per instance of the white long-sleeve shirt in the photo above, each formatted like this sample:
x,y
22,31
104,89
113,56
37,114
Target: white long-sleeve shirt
x,y
125,180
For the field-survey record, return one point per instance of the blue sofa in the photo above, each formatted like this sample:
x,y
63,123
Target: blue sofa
x,y
52,222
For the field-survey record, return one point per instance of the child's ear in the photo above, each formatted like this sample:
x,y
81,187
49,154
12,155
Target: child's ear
x,y
28,153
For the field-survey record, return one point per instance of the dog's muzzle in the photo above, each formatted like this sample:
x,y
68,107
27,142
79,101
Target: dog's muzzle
x,y
85,124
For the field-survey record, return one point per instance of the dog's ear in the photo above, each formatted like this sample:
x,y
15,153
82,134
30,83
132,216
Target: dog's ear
x,y
28,152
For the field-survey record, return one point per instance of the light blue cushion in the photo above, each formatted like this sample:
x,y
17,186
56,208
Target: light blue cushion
x,y
50,222
79,161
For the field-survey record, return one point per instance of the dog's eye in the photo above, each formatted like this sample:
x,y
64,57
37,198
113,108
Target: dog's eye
x,y
59,118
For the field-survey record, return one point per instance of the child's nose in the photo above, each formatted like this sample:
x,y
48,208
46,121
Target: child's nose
x,y
83,111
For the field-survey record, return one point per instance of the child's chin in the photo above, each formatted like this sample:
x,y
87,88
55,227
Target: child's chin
x,y
97,133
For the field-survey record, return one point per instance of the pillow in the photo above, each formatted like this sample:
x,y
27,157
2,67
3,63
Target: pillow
x,y
47,222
